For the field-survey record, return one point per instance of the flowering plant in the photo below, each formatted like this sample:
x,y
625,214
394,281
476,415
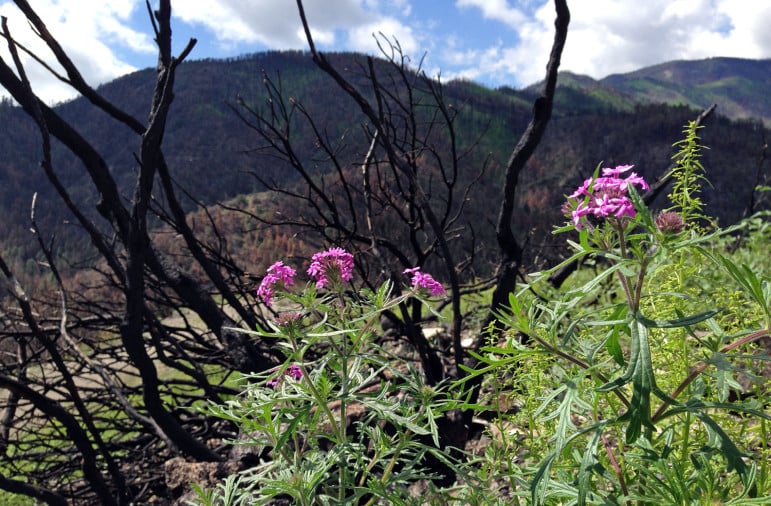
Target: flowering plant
x,y
638,406
606,196
331,267
293,371
424,281
632,385
279,277
342,420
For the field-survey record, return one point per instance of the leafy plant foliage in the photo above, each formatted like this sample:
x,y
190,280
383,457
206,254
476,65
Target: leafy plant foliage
x,y
649,392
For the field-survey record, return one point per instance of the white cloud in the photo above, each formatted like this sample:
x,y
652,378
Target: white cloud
x,y
272,23
749,33
614,36
494,42
519,64
96,33
498,10
606,37
267,22
91,32
363,38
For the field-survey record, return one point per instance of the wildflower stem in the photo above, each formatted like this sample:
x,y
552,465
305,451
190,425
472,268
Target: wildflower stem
x,y
701,367
320,401
344,385
580,363
623,278
615,464
635,302
392,462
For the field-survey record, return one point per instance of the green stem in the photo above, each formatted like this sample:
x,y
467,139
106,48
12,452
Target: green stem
x,y
685,437
321,402
763,474
615,464
580,363
392,463
625,282
700,368
639,284
298,353
342,436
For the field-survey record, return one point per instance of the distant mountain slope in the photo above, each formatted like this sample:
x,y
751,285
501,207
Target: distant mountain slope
x,y
214,156
741,88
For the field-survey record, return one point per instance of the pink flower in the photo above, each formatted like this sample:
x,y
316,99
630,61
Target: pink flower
x,y
617,171
604,196
279,276
332,266
293,371
425,281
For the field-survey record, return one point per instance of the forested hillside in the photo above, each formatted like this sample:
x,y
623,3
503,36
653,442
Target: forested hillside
x,y
738,86
215,156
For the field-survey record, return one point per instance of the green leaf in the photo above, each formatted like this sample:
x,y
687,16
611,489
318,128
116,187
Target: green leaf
x,y
719,439
643,213
724,374
758,290
596,280
677,322
589,463
388,411
736,407
640,373
538,489
613,347
611,343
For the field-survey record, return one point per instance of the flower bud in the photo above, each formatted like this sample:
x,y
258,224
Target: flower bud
x,y
670,222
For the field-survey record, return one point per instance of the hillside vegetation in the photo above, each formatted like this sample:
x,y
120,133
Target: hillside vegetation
x,y
215,157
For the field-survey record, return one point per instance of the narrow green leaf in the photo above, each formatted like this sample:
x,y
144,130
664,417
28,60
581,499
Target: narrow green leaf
x,y
538,489
745,277
589,462
640,372
677,322
642,209
599,278
631,366
728,449
613,347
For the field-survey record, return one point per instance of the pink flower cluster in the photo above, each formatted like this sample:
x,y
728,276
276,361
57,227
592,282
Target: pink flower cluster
x,y
293,371
278,277
607,195
421,280
332,266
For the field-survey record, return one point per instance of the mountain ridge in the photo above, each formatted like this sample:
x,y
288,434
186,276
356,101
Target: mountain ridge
x,y
738,86
215,156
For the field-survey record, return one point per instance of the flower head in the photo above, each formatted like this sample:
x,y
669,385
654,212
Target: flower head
x,y
332,266
669,222
279,276
604,196
293,371
289,319
421,280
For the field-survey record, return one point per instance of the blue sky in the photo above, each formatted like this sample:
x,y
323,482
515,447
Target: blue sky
x,y
493,42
